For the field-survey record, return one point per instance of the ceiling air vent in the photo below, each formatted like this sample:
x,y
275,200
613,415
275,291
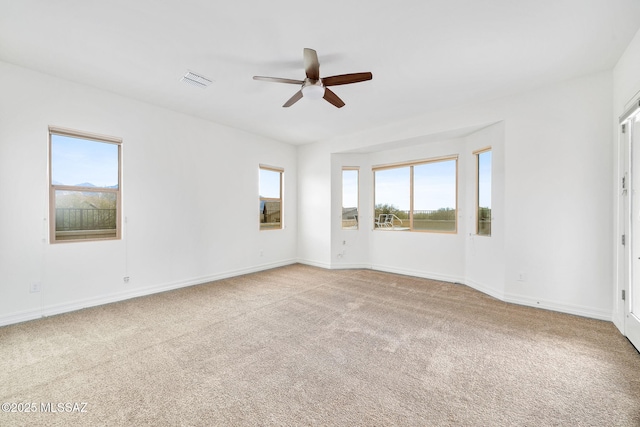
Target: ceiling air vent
x,y
196,80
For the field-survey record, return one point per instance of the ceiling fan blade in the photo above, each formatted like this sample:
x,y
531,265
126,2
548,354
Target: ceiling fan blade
x,y
311,64
278,80
344,79
333,98
295,98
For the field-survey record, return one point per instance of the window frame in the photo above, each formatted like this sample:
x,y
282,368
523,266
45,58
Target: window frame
x,y
357,170
53,239
477,154
271,199
410,165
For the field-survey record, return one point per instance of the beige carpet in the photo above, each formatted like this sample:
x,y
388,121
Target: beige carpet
x,y
305,346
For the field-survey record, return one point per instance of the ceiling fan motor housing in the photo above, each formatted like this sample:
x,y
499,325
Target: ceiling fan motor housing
x,y
312,89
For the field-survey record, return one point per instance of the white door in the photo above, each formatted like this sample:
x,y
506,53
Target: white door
x,y
632,293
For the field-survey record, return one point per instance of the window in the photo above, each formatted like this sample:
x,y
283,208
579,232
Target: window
x,y
483,192
419,196
84,187
350,198
270,198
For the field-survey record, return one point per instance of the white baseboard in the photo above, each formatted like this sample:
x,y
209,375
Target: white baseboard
x,y
50,310
510,298
485,289
354,266
618,321
314,263
560,307
538,303
418,273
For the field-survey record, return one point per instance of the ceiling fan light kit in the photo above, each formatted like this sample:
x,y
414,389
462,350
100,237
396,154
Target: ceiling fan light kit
x,y
315,87
313,90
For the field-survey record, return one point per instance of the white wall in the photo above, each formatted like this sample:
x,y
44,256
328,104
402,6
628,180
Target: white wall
x,y
558,197
485,255
350,248
552,186
190,199
441,255
626,89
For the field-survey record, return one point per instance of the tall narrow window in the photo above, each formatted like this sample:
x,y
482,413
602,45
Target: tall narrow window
x,y
84,193
420,196
270,197
483,198
350,198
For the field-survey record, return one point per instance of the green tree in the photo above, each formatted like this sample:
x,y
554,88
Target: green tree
x,y
385,208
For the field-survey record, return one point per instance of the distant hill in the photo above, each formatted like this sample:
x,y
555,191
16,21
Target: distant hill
x,y
85,184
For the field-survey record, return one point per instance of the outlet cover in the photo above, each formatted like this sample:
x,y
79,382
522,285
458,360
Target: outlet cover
x,y
35,287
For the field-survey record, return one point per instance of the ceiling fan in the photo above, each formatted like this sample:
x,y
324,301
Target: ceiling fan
x,y
314,87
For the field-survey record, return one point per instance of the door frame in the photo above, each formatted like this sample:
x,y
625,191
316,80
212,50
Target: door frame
x,y
625,235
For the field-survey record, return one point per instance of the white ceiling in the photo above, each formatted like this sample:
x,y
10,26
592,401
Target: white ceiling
x,y
425,55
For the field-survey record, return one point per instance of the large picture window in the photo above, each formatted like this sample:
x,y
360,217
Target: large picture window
x,y
84,193
483,192
350,198
270,189
419,196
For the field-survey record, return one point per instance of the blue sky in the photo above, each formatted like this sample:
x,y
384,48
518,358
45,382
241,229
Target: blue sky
x,y
434,186
484,179
269,184
77,161
392,187
350,188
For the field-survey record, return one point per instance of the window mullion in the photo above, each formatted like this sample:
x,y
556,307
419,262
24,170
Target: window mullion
x,y
411,189
85,189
